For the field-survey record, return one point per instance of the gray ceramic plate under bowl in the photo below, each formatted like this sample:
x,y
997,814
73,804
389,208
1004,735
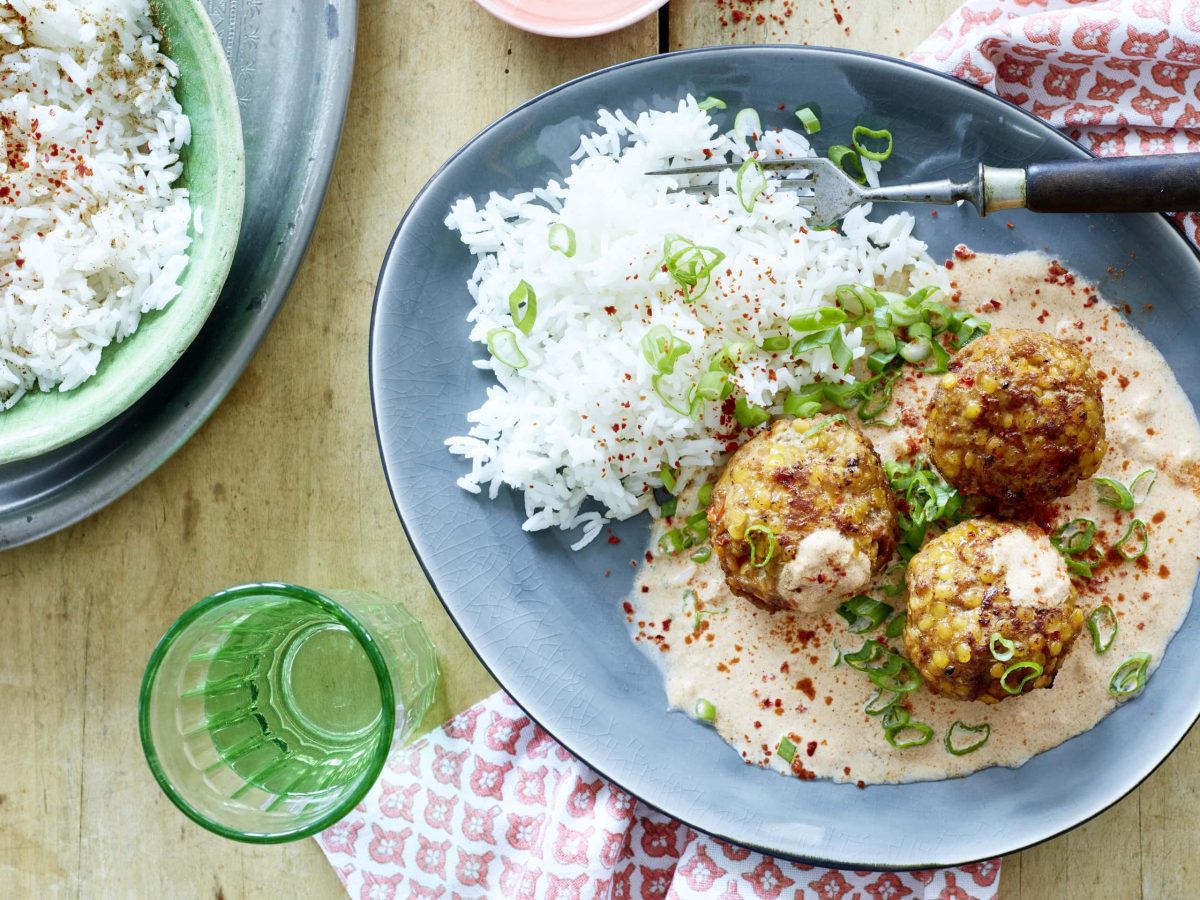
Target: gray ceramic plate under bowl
x,y
547,622
291,67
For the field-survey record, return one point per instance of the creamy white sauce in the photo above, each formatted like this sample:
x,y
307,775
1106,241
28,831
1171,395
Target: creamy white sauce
x,y
770,675
826,570
1034,571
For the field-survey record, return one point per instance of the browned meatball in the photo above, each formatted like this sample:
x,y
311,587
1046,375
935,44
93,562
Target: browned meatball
x,y
985,577
1018,418
803,517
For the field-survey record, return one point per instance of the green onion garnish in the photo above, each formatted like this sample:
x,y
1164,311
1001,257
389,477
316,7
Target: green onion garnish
x,y
1034,669
671,542
523,319
696,527
502,344
1112,492
822,425
662,349
927,499
747,123
881,701
796,405
1008,648
895,627
690,265
705,711
668,507
897,723
817,319
898,675
871,655
669,478
863,613
776,343
1074,537
808,119
562,239
751,182
861,134
975,736
786,750
1102,623
759,560
704,495
1134,542
846,159
1130,678
702,555
749,416
1141,485
711,103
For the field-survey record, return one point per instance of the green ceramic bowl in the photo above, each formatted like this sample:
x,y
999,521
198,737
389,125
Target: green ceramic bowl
x,y
214,171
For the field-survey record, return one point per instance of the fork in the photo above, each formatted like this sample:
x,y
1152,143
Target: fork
x,y
1129,184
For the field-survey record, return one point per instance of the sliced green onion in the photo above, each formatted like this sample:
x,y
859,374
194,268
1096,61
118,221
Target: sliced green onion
x,y
928,499
822,425
786,750
817,319
1074,537
671,542
769,552
881,701
776,342
863,613
562,239
796,405
751,182
662,349
1134,542
1141,485
523,294
1008,648
921,734
917,350
711,103
690,265
667,508
898,675
669,478
1102,623
1130,678
842,355
895,627
702,555
846,159
705,711
870,656
682,408
747,123
1078,567
1027,665
962,738
704,495
808,119
502,344
1112,492
697,527
749,416
861,133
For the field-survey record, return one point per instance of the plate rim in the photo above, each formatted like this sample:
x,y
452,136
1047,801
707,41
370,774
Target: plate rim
x,y
373,360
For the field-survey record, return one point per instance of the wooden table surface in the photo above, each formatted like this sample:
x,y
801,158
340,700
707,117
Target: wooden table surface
x,y
285,483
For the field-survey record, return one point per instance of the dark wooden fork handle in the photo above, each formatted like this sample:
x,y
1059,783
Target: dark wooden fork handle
x,y
1130,184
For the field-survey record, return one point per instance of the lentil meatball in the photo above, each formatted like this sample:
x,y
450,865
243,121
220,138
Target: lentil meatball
x,y
985,577
813,489
1018,418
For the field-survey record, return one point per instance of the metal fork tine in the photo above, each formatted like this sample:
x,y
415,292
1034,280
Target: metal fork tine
x,y
806,200
707,168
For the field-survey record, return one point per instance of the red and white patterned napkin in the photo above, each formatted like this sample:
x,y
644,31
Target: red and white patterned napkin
x,y
1120,76
490,806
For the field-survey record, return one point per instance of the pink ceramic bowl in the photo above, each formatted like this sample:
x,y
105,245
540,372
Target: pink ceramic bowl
x,y
570,18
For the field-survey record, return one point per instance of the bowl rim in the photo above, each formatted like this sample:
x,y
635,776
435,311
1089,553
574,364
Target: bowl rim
x,y
74,420
510,15
1020,845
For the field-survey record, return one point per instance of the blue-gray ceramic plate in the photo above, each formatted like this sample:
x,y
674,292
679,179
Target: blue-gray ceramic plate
x,y
547,622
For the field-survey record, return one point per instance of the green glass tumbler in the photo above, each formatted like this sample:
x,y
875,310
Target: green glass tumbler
x,y
267,711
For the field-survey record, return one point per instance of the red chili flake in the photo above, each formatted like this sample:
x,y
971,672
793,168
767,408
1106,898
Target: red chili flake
x,y
1122,381
20,263
784,667
837,16
613,539
805,686
611,310
962,251
666,624
1158,517
649,557
1163,571
811,748
628,607
949,264
707,153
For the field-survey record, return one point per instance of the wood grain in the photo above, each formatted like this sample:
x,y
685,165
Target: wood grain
x,y
284,483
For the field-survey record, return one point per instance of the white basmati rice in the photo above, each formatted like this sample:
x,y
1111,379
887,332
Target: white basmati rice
x,y
581,422
92,232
